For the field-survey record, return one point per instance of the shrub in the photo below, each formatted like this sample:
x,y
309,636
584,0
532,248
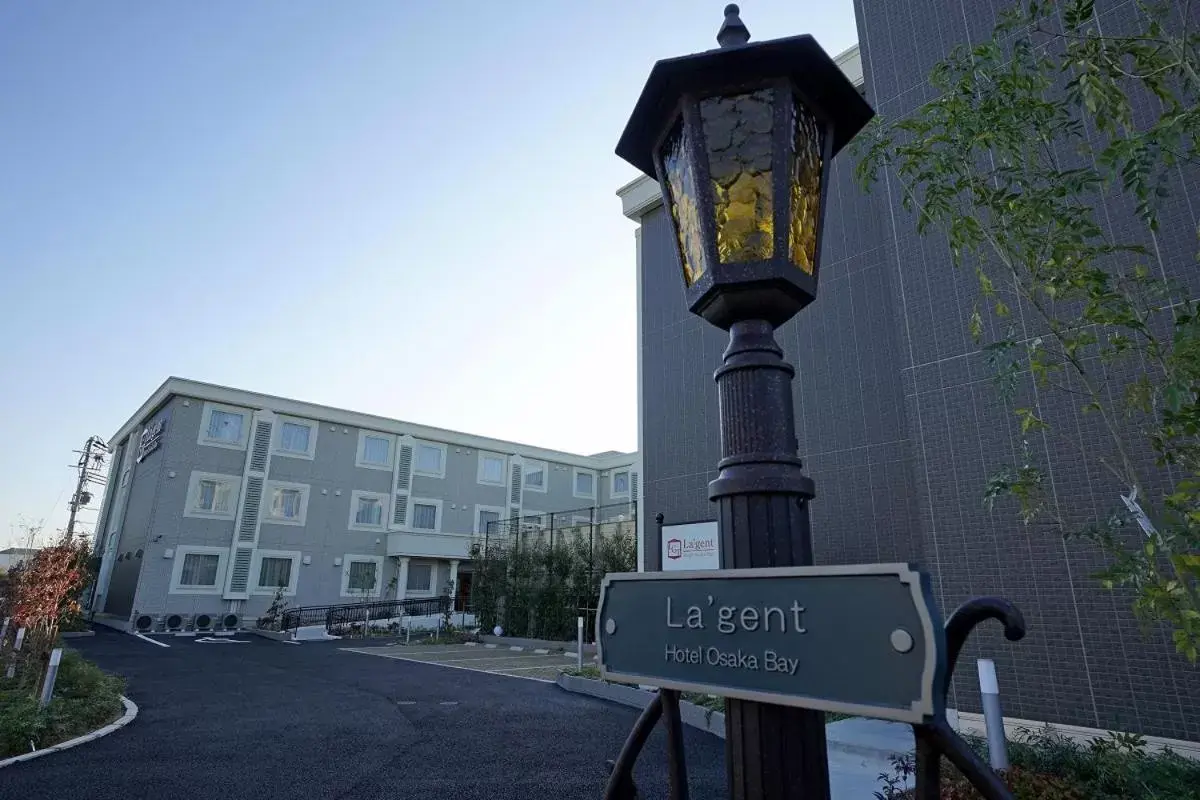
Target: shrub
x,y
85,698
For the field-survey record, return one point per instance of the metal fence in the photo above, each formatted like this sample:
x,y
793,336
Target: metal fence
x,y
562,526
534,574
352,613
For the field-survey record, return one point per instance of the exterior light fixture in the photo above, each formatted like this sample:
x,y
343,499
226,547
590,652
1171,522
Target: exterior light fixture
x,y
740,139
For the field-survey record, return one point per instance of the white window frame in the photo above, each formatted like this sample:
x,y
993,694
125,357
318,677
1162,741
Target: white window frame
x,y
256,569
432,590
483,456
181,551
362,439
193,495
612,482
500,510
541,515
277,442
413,502
525,470
269,500
385,501
350,558
575,473
416,469
206,418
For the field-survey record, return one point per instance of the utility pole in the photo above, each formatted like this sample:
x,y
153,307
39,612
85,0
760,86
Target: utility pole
x,y
91,471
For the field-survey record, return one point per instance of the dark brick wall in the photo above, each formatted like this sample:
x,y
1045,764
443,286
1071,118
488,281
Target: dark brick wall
x,y
899,426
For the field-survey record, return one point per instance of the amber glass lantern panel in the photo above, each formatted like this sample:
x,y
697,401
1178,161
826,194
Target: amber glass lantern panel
x,y
805,187
680,175
737,135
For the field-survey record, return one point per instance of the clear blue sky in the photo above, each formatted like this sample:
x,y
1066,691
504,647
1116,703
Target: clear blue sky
x,y
397,207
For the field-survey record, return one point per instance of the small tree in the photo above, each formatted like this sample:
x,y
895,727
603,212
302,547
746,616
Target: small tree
x,y
43,591
1013,162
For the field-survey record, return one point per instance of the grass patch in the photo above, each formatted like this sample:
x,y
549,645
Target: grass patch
x,y
711,702
1048,766
85,698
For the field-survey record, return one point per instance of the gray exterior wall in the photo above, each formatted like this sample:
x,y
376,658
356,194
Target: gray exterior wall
x,y
155,521
898,423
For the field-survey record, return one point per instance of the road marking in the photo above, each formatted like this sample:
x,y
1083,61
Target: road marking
x,y
447,666
490,646
406,702
448,703
487,659
470,644
514,669
514,647
210,640
151,641
288,641
541,651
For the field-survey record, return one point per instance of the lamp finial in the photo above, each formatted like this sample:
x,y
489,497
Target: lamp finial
x,y
733,31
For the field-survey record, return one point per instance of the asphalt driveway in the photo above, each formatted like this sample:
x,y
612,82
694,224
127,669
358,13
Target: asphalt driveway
x,y
264,720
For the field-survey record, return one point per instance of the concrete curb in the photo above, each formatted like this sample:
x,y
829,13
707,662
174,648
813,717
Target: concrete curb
x,y
76,634
533,644
277,636
131,711
693,715
848,739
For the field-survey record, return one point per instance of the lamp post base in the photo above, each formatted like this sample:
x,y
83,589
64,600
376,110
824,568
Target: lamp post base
x,y
762,497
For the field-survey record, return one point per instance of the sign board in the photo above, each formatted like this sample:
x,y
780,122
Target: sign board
x,y
151,438
864,640
695,545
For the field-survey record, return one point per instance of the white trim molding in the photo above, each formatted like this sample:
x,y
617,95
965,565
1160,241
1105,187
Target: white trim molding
x,y
484,457
533,465
413,502
575,473
385,510
268,516
359,461
433,570
232,493
180,556
206,422
256,572
314,428
499,511
417,469
350,558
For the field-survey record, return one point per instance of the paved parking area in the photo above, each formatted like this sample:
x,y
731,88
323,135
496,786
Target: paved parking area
x,y
518,663
265,720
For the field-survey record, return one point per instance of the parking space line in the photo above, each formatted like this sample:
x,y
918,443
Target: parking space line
x,y
516,669
151,641
484,658
368,652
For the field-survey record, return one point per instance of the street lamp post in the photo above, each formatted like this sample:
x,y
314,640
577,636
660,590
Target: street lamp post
x,y
740,139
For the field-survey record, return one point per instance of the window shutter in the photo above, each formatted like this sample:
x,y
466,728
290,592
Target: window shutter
x,y
239,572
402,481
516,487
249,518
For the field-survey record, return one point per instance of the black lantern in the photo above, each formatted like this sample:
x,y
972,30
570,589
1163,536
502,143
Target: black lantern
x,y
740,139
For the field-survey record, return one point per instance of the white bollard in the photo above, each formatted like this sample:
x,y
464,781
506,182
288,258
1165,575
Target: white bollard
x,y
4,630
12,668
989,689
51,677
579,643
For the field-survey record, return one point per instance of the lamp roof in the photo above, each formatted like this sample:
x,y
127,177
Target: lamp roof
x,y
798,58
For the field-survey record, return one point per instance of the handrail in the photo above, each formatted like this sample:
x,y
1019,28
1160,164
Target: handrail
x,y
345,613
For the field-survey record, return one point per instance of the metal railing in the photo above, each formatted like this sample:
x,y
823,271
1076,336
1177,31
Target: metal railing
x,y
350,613
550,528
